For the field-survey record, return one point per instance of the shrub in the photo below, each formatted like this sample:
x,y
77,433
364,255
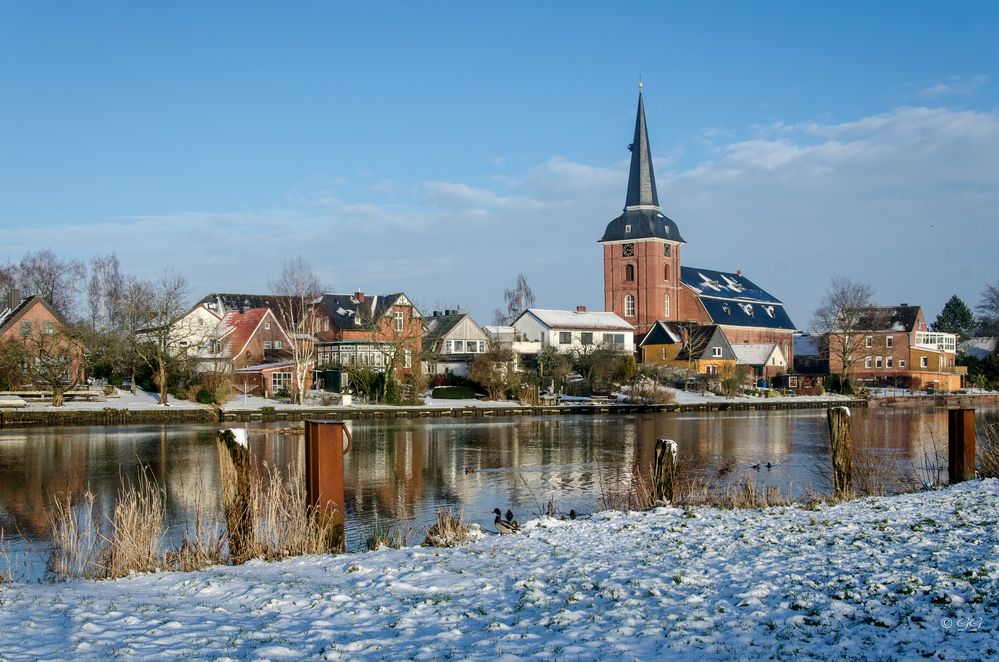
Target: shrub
x,y
454,393
449,531
205,397
649,393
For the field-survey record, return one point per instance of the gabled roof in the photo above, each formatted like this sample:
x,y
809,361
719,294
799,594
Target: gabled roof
x,y
8,316
237,329
231,301
438,326
701,338
732,299
343,309
661,333
886,318
755,353
573,319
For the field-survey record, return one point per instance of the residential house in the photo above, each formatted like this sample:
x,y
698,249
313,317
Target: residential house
x,y
700,348
244,337
573,330
372,331
32,322
895,348
760,360
451,341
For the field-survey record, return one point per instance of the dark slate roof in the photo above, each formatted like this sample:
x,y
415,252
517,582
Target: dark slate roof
x,y
734,300
234,301
641,178
437,326
806,345
887,318
701,337
642,224
660,334
343,308
8,314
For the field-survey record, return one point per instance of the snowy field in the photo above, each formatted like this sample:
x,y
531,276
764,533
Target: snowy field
x,y
896,578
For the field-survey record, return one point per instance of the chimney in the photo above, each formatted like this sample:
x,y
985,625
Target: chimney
x,y
359,295
738,272
13,298
580,309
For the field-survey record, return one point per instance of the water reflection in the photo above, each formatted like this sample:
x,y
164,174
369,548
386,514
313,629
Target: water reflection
x,y
401,472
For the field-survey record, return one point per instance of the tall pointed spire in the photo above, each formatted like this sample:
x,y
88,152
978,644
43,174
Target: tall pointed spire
x,y
641,180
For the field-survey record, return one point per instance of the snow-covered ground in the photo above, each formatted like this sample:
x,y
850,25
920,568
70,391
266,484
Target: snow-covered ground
x,y
690,397
122,400
906,577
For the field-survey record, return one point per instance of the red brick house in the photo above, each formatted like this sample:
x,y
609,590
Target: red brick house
x,y
645,283
369,330
35,325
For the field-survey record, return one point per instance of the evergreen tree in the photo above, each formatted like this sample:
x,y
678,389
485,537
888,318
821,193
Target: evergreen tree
x,y
955,317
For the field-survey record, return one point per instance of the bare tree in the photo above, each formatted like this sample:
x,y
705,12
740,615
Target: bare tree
x,y
161,340
133,317
57,281
496,371
988,310
299,289
518,299
104,292
844,314
56,360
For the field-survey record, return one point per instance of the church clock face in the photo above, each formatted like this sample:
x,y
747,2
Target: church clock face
x,y
628,250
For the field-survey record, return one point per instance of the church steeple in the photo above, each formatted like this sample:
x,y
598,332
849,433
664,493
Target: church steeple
x,y
642,179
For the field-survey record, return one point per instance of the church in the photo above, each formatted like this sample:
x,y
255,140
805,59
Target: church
x,y
646,284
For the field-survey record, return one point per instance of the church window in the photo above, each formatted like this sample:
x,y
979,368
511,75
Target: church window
x,y
666,272
628,250
666,305
629,306
667,250
629,272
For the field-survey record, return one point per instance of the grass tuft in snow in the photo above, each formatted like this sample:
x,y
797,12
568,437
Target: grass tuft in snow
x,y
449,530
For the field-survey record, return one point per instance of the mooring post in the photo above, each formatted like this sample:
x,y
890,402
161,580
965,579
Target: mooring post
x,y
839,435
961,444
235,465
664,471
324,451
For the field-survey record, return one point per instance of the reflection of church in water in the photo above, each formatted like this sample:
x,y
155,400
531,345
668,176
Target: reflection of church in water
x,y
645,284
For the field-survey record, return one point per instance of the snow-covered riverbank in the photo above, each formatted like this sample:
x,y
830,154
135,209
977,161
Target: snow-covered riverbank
x,y
880,578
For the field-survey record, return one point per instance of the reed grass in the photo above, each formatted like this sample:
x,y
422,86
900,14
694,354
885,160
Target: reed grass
x,y
448,530
988,452
137,530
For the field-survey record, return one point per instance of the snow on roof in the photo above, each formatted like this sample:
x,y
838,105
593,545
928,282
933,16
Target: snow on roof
x,y
572,319
264,366
753,353
981,347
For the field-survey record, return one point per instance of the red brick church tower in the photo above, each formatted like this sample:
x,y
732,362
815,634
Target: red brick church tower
x,y
642,246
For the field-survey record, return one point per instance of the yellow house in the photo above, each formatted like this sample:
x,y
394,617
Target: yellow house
x,y
702,348
936,369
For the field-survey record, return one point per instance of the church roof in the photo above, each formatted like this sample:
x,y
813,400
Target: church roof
x,y
642,217
734,300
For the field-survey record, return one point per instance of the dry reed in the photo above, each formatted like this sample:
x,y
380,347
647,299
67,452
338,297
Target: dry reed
x,y
448,530
137,530
988,452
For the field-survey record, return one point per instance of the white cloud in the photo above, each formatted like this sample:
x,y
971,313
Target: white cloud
x,y
954,86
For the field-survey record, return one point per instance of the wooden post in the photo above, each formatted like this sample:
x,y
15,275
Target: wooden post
x,y
839,434
664,471
961,444
235,466
324,451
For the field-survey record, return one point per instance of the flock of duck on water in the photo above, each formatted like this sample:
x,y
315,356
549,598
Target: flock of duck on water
x,y
506,525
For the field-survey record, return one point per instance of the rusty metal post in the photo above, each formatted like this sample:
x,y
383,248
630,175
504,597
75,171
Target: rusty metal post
x,y
324,451
961,444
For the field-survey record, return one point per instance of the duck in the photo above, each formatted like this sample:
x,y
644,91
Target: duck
x,y
509,515
769,466
755,466
504,527
572,514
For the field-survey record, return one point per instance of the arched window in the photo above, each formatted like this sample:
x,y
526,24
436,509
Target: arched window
x,y
629,272
666,272
666,306
629,306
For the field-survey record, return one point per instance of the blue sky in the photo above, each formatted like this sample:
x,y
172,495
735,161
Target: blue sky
x,y
441,149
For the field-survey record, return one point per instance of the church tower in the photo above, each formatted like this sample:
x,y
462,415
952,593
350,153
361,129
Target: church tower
x,y
642,246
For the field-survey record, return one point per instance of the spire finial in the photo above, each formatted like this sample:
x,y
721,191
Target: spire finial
x,y
639,82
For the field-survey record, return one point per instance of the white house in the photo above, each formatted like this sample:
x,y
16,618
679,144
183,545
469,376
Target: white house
x,y
450,342
575,330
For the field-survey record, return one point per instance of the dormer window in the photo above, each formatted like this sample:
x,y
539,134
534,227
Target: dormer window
x,y
747,308
726,309
627,229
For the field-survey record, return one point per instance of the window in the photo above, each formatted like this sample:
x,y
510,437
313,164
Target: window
x,y
459,346
868,362
614,338
629,272
889,342
326,324
716,352
586,338
447,346
666,271
629,306
267,345
628,250
565,337
901,363
267,326
878,362
26,328
792,382
482,346
277,344
924,362
711,369
665,354
667,250
470,346
666,305
399,320
627,229
280,381
48,328
869,341
889,361
407,359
